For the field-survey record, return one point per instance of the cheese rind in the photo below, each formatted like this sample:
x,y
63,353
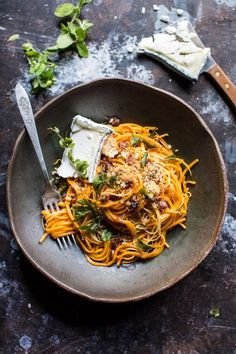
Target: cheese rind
x,y
88,137
177,49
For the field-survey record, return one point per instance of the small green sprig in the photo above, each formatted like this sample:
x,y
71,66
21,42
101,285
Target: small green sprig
x,y
80,166
73,33
144,160
102,179
40,67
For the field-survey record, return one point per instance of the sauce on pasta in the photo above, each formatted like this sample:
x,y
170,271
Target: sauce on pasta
x,y
140,192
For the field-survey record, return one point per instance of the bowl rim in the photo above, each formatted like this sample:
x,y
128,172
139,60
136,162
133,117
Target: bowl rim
x,y
168,283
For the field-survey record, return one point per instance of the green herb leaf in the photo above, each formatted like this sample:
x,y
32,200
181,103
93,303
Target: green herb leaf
x,y
171,157
146,194
72,27
54,130
84,2
64,41
144,159
84,24
84,207
106,235
143,246
215,312
82,49
13,38
81,167
64,10
135,140
80,34
102,179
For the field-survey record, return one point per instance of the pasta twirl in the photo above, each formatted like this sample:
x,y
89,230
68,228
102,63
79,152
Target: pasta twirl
x,y
139,193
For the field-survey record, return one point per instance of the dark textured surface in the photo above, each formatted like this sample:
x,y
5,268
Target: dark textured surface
x,y
177,320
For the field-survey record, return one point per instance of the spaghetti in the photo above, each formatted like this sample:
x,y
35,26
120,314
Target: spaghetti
x,y
139,193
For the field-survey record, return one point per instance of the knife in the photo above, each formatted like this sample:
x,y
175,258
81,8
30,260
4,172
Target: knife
x,y
210,66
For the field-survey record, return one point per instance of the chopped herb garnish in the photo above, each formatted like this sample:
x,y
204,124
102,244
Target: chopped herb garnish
x,y
171,157
85,207
135,140
215,312
106,235
143,246
102,179
146,194
63,142
144,159
13,38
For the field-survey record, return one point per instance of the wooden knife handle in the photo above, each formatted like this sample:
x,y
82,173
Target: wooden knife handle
x,y
224,83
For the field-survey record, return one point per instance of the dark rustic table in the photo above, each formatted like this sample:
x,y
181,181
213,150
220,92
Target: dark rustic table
x,y
36,316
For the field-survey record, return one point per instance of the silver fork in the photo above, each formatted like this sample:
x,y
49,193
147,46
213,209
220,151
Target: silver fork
x,y
51,197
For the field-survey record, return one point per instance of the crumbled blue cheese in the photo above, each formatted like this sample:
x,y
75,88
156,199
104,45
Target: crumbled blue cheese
x,y
177,49
88,138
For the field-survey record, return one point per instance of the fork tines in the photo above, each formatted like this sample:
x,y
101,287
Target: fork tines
x,y
66,241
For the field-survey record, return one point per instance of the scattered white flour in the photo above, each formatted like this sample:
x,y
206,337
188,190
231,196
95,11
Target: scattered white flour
x,y
230,3
54,340
214,106
3,265
230,150
227,240
231,197
25,342
114,57
2,28
29,305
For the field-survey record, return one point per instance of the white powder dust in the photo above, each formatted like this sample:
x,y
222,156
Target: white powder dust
x,y
215,108
230,3
227,240
114,57
25,342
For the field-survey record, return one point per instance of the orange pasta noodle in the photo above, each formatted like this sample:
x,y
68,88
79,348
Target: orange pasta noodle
x,y
137,196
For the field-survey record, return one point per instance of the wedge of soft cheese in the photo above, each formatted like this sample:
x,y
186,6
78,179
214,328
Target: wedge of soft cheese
x,y
88,138
177,49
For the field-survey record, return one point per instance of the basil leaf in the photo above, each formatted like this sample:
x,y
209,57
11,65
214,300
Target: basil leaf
x,y
106,235
14,37
64,9
64,41
144,159
82,49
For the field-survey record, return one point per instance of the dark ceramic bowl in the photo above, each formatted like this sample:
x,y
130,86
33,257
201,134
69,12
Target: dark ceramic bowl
x,y
132,102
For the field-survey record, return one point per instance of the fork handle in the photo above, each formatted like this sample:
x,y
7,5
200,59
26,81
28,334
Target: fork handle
x,y
29,121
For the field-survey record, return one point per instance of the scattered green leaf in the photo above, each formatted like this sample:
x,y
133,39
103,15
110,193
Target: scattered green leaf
x,y
72,36
144,159
64,41
106,235
85,207
135,140
102,179
13,38
146,194
171,157
143,246
215,312
64,9
63,142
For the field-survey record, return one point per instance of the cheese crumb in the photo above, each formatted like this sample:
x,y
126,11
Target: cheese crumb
x,y
165,18
155,7
143,10
180,12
